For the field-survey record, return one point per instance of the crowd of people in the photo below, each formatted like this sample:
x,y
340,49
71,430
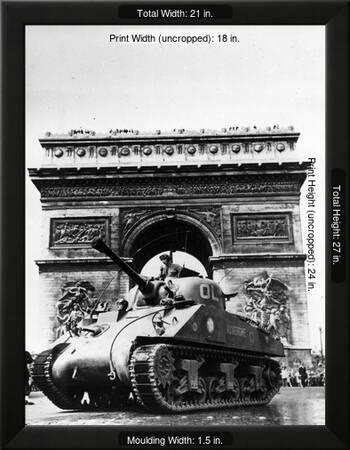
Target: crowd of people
x,y
302,377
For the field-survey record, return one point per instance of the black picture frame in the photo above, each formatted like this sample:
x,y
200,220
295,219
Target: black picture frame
x,y
15,15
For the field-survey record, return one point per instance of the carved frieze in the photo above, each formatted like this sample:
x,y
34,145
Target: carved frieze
x,y
266,303
260,227
181,186
77,302
77,232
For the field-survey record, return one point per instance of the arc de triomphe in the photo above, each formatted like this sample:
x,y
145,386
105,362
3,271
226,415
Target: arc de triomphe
x,y
229,197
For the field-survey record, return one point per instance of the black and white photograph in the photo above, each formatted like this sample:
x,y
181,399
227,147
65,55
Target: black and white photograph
x,y
175,225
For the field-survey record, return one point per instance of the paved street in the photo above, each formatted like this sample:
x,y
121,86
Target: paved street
x,y
292,406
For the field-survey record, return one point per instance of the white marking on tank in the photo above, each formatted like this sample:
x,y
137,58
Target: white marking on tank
x,y
204,291
207,291
214,297
85,399
210,325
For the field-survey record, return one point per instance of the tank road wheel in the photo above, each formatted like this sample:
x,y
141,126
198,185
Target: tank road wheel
x,y
247,387
174,393
163,365
215,390
273,379
200,394
234,394
263,392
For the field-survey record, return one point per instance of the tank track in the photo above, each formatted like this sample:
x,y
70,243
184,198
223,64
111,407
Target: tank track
x,y
42,378
149,393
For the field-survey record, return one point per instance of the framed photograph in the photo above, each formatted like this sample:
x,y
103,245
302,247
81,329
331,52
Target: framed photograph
x,y
174,249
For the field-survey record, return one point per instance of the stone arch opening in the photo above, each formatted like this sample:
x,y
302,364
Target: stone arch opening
x,y
160,234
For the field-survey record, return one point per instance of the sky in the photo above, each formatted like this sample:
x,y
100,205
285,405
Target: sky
x,y
76,77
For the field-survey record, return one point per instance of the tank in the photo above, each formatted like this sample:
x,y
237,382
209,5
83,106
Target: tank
x,y
173,346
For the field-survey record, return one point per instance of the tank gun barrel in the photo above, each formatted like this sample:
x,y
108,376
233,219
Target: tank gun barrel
x,y
99,245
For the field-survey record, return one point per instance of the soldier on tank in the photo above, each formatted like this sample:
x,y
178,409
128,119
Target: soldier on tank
x,y
122,306
75,317
168,268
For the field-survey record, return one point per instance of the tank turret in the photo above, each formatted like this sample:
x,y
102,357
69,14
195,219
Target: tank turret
x,y
175,348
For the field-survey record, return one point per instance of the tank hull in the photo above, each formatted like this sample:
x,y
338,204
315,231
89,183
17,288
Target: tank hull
x,y
175,348
89,360
196,339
